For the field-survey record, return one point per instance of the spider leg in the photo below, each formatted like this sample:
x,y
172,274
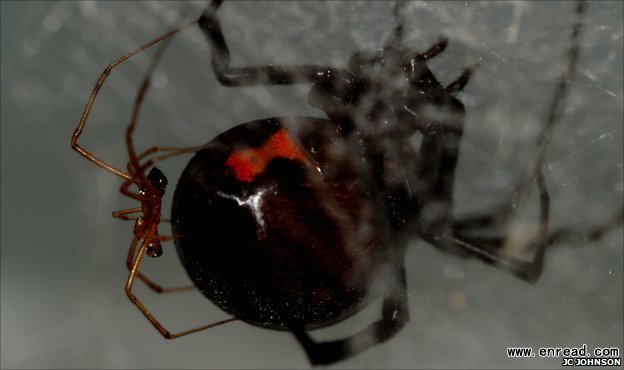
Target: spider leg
x,y
265,75
462,80
395,312
434,50
125,190
125,186
529,271
128,288
396,38
127,214
436,176
395,315
593,233
505,210
149,282
491,250
560,235
172,152
85,114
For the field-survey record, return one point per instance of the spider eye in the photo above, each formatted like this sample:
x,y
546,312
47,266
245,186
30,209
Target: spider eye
x,y
157,178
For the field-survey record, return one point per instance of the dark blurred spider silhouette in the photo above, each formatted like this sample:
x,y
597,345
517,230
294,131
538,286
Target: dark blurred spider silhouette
x,y
292,223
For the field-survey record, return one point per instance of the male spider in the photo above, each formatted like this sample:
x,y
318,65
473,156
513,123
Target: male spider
x,y
291,223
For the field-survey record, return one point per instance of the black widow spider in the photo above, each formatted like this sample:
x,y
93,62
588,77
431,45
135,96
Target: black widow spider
x,y
293,223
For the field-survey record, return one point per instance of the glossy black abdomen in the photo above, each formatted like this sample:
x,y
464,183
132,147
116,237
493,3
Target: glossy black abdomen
x,y
274,226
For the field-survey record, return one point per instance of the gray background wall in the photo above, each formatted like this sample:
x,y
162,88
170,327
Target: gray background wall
x,y
62,301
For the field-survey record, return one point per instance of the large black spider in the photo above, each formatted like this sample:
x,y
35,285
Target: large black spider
x,y
292,223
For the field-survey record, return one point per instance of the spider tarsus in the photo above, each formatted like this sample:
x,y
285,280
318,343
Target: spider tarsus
x,y
436,49
462,80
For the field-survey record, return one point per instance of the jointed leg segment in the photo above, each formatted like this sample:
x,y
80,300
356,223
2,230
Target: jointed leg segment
x,y
489,249
265,75
395,315
128,288
149,282
85,114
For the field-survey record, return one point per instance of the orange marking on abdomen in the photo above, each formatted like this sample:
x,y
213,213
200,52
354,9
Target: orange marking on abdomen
x,y
249,163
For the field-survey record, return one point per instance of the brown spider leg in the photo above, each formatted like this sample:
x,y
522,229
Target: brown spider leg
x,y
502,213
149,282
276,75
137,172
123,189
133,164
174,151
124,214
126,184
162,238
85,114
165,333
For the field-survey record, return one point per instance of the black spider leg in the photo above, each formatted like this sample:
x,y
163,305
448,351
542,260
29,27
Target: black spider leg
x,y
259,75
395,41
442,234
440,146
505,211
395,312
488,248
396,38
394,315
459,84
